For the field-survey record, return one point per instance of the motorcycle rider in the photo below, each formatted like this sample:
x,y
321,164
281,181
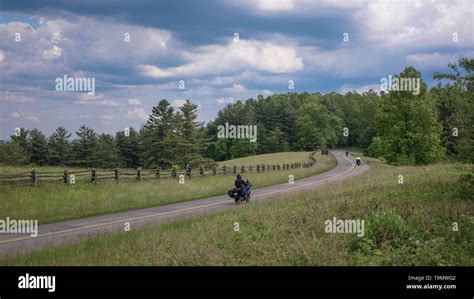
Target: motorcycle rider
x,y
358,161
240,185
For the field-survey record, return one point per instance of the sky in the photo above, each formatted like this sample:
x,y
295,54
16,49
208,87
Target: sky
x,y
139,52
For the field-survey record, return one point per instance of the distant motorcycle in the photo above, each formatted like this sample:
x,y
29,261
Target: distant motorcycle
x,y
237,196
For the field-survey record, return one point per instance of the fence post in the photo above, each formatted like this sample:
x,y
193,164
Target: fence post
x,y
65,176
263,167
34,177
214,171
116,175
234,170
224,168
242,169
201,171
139,173
250,168
158,173
258,167
274,167
93,176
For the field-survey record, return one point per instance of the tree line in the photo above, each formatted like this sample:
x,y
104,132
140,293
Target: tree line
x,y
400,127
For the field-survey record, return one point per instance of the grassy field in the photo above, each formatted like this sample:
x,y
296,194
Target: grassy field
x,y
295,157
51,203
405,224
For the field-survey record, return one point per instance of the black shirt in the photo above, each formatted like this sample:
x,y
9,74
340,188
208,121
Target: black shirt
x,y
239,183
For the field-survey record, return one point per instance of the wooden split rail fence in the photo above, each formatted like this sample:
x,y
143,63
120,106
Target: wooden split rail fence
x,y
93,175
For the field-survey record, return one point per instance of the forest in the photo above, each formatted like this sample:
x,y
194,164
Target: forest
x,y
400,127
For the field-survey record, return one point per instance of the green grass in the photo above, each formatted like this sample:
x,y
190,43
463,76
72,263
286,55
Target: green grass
x,y
51,203
278,158
408,224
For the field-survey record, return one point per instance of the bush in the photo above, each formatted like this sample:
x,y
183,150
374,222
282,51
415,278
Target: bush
x,y
387,227
466,186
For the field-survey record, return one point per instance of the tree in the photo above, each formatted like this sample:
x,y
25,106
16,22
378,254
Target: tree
x,y
22,140
13,154
108,155
129,148
160,136
191,140
59,147
37,146
455,106
409,132
317,128
85,148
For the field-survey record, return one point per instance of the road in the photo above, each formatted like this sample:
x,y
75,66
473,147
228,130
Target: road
x,y
73,230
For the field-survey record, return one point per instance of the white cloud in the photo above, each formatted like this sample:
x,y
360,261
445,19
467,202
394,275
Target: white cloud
x,y
225,100
134,102
14,97
275,5
52,53
107,117
236,88
25,116
418,23
267,92
95,99
15,115
178,103
137,113
238,56
435,59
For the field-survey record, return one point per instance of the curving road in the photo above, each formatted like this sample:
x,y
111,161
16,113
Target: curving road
x,y
71,230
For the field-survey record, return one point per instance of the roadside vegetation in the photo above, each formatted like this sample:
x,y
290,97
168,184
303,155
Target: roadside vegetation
x,y
57,202
405,224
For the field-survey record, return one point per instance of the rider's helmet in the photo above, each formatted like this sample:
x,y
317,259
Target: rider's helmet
x,y
239,176
358,158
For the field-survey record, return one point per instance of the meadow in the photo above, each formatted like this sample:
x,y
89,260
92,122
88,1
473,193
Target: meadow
x,y
427,220
56,202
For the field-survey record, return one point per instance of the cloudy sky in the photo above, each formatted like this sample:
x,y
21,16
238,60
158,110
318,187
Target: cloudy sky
x,y
138,51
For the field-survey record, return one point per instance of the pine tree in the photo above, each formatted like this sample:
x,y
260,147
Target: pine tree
x,y
129,148
108,155
59,147
37,146
85,148
160,136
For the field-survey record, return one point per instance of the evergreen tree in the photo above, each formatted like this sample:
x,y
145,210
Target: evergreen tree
x,y
191,141
129,148
160,136
13,154
59,147
37,146
85,148
108,155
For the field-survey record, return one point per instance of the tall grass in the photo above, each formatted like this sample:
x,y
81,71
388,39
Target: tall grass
x,y
406,224
56,202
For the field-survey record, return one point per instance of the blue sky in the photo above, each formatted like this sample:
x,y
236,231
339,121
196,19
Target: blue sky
x,y
194,41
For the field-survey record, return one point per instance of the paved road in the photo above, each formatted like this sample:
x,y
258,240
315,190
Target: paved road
x,y
71,230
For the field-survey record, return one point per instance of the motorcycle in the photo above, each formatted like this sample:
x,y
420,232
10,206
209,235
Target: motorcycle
x,y
237,196
358,162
